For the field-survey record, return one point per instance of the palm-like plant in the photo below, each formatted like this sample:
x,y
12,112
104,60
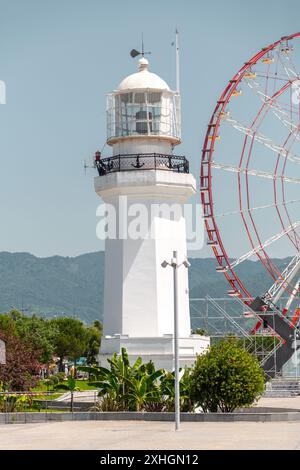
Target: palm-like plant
x,y
129,386
139,386
71,387
111,382
167,387
142,390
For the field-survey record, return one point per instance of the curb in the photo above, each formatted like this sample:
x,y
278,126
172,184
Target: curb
x,y
36,417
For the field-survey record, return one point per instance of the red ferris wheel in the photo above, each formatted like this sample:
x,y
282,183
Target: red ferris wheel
x,y
250,177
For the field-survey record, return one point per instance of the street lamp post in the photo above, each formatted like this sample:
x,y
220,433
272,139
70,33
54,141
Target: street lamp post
x,y
174,264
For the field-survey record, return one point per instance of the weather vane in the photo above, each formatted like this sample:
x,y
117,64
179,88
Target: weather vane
x,y
135,53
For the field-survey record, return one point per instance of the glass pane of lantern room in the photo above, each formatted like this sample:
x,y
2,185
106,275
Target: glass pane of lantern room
x,y
143,122
139,113
154,107
125,111
166,115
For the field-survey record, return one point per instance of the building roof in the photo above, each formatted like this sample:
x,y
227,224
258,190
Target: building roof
x,y
143,79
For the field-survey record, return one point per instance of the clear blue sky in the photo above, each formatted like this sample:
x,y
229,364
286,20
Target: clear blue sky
x,y
59,58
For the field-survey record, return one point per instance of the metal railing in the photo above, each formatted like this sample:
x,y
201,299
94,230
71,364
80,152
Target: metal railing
x,y
142,161
17,406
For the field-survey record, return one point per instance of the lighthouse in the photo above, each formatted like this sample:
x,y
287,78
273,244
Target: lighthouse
x,y
144,185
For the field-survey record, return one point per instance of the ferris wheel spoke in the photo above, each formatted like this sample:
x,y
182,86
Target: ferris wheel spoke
x,y
252,209
274,104
294,67
287,70
263,140
293,236
293,129
264,245
279,112
259,173
277,77
290,73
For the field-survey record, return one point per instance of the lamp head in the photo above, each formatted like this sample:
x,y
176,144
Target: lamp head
x,y
186,263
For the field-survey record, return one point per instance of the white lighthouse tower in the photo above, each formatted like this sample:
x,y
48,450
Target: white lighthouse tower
x,y
147,186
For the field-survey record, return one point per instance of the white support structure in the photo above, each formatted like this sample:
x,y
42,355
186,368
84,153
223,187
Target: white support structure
x,y
292,295
287,276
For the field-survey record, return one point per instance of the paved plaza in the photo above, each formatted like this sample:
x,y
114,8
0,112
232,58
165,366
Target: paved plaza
x,y
149,435
156,435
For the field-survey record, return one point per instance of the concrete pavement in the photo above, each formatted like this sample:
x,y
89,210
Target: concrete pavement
x,y
156,434
286,402
150,435
84,396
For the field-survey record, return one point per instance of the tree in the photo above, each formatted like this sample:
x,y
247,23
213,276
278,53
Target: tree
x,y
225,378
199,331
71,340
71,387
41,333
65,337
22,367
97,324
93,343
38,332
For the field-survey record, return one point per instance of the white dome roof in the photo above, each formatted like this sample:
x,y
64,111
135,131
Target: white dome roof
x,y
143,79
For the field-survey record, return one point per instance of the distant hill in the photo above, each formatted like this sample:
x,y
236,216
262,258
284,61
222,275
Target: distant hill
x,y
55,285
74,286
205,280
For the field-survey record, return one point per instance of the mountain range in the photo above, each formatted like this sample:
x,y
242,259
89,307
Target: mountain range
x,y
73,286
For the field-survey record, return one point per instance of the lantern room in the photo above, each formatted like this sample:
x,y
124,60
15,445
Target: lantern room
x,y
143,114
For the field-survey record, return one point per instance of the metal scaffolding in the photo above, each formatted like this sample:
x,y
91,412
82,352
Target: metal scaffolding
x,y
224,317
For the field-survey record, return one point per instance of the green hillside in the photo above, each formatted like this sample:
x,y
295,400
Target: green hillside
x,y
55,285
74,286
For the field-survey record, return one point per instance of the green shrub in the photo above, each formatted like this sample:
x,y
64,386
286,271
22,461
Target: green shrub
x,y
51,381
226,378
60,376
108,403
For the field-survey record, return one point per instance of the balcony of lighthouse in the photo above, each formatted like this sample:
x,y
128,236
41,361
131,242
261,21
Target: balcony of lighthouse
x,y
147,161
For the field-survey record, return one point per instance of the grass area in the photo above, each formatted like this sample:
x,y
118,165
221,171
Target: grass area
x,y
41,387
40,410
82,385
47,410
52,396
